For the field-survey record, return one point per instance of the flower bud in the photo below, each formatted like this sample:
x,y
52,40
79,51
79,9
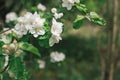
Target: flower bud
x,y
11,47
53,10
4,46
20,46
15,41
17,52
7,51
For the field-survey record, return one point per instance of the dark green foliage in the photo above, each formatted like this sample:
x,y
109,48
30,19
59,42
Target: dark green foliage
x,y
11,24
78,22
30,48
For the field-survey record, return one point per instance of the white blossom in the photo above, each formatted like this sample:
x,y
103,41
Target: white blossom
x,y
28,18
41,64
19,34
21,20
57,56
21,28
38,19
5,39
54,10
37,30
11,17
69,3
41,7
56,28
31,23
54,39
58,15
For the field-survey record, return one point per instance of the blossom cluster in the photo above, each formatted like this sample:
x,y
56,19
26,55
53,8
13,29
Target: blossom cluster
x,y
34,24
13,47
31,23
69,3
56,28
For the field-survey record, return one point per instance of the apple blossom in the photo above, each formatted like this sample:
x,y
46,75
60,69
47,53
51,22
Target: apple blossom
x,y
41,7
53,10
57,56
37,30
56,28
58,15
20,27
69,3
54,39
41,64
11,17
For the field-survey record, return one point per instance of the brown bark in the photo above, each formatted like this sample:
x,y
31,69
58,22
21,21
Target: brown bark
x,y
109,38
112,32
114,47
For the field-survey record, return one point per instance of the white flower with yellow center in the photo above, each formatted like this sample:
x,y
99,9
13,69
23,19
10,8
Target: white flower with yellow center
x,y
37,27
37,30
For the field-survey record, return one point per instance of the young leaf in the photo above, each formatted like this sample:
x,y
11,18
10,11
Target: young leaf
x,y
95,18
78,22
82,8
29,47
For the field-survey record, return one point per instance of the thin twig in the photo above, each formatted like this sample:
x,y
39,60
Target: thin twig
x,y
5,31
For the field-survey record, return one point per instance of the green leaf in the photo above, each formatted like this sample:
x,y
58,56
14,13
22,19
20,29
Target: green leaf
x,y
99,21
94,15
17,68
29,47
11,24
82,8
95,18
78,22
44,42
1,43
1,62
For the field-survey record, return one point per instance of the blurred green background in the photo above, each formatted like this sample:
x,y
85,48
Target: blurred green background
x,y
81,46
